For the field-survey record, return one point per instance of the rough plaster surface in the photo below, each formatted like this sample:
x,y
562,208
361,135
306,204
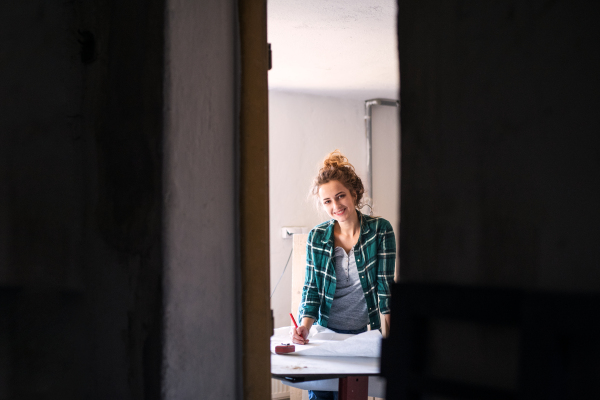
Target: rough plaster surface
x,y
200,221
500,162
81,170
41,189
302,130
500,146
123,127
334,48
81,200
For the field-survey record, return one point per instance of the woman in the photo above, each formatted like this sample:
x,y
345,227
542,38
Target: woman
x,y
350,260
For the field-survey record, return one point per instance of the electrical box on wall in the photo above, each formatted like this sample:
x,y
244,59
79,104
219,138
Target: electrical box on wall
x,y
288,231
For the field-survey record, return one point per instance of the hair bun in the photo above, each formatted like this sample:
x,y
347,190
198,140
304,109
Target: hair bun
x,y
336,160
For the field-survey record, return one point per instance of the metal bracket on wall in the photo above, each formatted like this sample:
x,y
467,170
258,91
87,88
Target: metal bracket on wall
x,y
270,57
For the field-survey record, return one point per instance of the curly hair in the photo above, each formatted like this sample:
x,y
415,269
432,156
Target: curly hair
x,y
337,168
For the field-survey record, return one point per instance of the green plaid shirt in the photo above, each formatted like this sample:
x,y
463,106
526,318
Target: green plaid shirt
x,y
375,255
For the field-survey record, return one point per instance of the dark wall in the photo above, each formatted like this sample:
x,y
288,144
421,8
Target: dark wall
x,y
80,199
500,144
500,164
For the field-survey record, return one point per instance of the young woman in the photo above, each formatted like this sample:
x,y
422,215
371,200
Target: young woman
x,y
350,260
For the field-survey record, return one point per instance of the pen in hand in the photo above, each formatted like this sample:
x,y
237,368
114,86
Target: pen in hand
x,y
296,331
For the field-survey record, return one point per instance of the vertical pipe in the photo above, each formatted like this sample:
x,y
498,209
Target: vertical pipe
x,y
368,130
369,188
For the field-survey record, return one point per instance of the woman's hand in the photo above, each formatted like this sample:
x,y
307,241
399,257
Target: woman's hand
x,y
299,335
386,321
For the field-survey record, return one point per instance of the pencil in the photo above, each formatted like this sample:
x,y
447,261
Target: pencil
x,y
293,320
296,325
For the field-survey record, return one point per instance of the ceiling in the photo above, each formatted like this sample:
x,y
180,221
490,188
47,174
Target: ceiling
x,y
336,48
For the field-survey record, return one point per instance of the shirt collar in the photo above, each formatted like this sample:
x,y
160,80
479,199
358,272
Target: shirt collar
x,y
329,231
364,226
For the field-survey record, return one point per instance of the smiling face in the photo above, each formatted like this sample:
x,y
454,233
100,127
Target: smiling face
x,y
337,201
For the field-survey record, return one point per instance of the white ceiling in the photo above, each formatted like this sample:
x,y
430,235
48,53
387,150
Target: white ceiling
x,y
334,48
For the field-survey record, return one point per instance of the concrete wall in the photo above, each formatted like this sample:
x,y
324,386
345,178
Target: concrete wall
x,y
201,245
500,162
84,215
302,130
81,199
122,51
500,146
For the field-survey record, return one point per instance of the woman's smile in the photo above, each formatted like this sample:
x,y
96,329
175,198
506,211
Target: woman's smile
x,y
340,212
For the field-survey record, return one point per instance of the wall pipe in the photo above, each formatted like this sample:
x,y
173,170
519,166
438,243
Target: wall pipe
x,y
368,112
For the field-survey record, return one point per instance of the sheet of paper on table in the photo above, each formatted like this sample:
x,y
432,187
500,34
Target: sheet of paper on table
x,y
325,342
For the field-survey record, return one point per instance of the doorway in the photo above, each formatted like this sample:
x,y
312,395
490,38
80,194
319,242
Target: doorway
x,y
328,58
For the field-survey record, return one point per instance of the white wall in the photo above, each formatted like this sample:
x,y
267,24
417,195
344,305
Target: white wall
x,y
302,130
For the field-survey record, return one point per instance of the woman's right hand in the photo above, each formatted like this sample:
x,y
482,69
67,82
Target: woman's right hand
x,y
299,335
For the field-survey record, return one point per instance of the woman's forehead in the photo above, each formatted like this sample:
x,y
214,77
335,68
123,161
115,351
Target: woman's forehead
x,y
332,188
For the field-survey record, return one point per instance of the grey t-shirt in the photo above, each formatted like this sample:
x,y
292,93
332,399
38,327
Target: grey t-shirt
x,y
349,307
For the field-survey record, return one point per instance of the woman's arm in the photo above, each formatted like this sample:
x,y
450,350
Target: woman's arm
x,y
310,302
386,267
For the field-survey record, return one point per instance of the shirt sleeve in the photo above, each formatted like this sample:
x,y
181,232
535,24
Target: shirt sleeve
x,y
309,305
386,265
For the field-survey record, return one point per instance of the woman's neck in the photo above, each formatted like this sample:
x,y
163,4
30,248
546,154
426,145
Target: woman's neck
x,y
351,226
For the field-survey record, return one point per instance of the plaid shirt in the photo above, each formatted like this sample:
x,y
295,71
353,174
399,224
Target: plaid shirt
x,y
375,255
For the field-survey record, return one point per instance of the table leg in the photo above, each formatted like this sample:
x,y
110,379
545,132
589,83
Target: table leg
x,y
354,388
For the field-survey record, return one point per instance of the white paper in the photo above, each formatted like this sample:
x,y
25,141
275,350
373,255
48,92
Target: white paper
x,y
325,342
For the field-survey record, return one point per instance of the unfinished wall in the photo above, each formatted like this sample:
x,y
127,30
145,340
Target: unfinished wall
x,y
201,244
500,161
122,49
302,130
500,147
83,93
80,204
